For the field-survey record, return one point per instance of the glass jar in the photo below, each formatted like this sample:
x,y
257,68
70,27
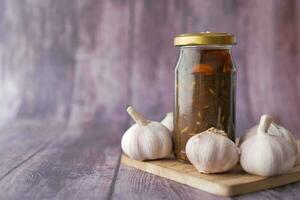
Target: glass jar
x,y
205,85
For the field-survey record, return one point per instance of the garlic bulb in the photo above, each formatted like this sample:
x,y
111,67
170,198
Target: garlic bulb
x,y
212,151
168,121
146,140
265,154
276,130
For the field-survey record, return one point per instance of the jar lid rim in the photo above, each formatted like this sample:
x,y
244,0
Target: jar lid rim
x,y
204,38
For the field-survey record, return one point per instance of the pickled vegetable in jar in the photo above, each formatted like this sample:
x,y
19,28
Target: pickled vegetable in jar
x,y
205,85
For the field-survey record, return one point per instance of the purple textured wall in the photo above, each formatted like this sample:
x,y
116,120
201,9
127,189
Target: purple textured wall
x,y
74,61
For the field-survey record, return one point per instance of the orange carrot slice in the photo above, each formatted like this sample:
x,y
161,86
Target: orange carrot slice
x,y
205,69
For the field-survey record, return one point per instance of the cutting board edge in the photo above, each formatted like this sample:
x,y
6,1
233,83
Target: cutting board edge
x,y
208,186
260,185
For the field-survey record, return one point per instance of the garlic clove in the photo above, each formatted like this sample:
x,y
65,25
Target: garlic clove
x,y
265,154
275,130
278,130
146,140
168,121
212,151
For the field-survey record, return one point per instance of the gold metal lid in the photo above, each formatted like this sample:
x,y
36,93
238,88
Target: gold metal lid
x,y
204,38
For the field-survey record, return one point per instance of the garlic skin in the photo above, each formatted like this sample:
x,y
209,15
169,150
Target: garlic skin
x,y
265,154
276,130
146,140
212,151
168,121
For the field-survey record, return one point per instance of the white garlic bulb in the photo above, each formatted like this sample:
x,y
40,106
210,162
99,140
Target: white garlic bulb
x,y
146,140
212,151
168,121
276,130
265,154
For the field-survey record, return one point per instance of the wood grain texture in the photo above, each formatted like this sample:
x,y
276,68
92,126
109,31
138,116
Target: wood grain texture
x,y
136,184
21,141
80,164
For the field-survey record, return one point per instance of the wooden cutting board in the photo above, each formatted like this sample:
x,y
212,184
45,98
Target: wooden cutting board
x,y
231,183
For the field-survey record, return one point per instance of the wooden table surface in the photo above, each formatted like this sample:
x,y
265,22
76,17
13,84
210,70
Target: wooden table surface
x,y
56,161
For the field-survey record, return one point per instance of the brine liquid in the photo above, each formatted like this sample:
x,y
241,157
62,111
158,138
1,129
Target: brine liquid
x,y
205,95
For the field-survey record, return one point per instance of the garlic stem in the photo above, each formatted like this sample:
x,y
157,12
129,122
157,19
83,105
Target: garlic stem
x,y
137,117
264,124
